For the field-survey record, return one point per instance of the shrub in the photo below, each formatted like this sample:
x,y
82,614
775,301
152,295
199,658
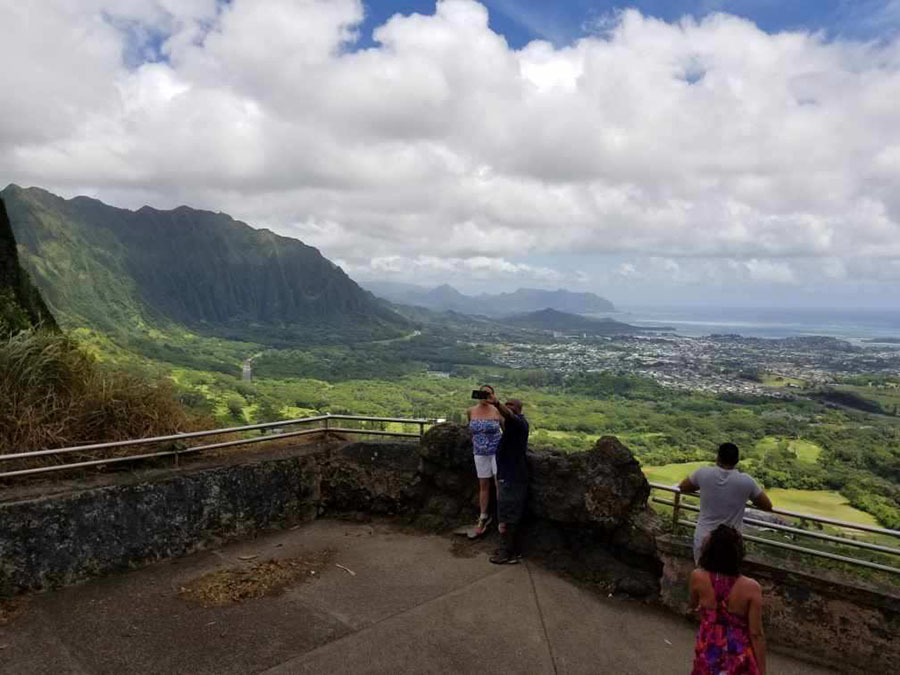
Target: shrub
x,y
235,405
55,394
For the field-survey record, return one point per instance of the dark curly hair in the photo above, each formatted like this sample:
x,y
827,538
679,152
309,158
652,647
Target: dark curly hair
x,y
723,551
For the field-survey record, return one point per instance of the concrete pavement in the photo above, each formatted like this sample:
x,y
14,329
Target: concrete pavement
x,y
416,604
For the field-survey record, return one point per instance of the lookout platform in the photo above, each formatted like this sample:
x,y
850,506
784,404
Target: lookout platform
x,y
384,600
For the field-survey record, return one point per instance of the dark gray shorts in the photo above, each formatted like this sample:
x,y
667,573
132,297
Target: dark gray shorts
x,y
511,501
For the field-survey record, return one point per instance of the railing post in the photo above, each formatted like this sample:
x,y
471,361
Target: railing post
x,y
325,426
675,514
421,429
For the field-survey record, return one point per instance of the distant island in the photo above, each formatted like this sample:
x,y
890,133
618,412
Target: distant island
x,y
562,322
448,298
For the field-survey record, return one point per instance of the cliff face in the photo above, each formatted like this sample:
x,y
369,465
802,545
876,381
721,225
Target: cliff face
x,y
112,268
21,305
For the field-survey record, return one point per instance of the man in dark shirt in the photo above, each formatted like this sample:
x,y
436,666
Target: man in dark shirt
x,y
512,479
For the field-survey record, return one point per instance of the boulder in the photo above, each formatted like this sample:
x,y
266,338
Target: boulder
x,y
601,487
587,511
372,477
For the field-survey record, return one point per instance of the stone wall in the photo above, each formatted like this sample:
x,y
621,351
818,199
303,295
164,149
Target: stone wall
x,y
64,539
587,511
832,621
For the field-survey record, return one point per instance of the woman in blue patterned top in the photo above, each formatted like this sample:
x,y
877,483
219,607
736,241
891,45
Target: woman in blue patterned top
x,y
484,423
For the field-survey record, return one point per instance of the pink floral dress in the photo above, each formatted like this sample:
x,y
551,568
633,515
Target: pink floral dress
x,y
723,641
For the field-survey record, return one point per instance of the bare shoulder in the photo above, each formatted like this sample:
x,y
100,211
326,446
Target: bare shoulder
x,y
750,586
699,577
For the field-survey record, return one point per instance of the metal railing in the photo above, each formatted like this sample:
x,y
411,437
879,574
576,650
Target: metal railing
x,y
176,452
679,505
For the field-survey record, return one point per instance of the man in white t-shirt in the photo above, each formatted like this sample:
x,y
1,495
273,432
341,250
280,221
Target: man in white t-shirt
x,y
724,492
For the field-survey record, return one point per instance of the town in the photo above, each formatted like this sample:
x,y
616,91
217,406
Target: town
x,y
718,364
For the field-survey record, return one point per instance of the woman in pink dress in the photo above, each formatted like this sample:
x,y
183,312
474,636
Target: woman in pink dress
x,y
730,639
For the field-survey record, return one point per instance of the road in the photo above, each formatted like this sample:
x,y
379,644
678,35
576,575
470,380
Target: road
x,y
247,365
247,368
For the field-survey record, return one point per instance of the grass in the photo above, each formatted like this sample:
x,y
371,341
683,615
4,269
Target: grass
x,y
773,380
53,393
672,474
815,502
806,451
226,587
887,397
823,503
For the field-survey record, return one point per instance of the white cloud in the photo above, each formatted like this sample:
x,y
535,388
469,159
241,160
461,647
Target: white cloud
x,y
713,146
432,270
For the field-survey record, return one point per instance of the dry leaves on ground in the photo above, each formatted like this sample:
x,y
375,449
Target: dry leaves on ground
x,y
237,584
10,608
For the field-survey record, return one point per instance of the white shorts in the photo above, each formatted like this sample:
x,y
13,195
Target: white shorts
x,y
485,466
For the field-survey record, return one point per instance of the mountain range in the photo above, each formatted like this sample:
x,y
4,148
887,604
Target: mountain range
x,y
447,298
21,305
563,322
114,269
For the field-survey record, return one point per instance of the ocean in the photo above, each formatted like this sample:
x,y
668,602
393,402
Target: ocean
x,y
849,324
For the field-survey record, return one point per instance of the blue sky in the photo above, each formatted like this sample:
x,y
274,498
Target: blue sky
x,y
754,158
562,22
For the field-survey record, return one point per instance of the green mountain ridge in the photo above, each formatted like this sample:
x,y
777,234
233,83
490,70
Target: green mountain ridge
x,y
21,305
563,322
447,298
118,270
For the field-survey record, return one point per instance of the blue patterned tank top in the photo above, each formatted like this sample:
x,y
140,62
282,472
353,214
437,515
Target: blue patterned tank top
x,y
485,436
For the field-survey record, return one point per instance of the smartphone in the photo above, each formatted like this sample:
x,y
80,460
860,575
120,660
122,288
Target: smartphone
x,y
481,395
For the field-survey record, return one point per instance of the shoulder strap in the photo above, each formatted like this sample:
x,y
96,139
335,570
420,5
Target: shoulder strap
x,y
722,586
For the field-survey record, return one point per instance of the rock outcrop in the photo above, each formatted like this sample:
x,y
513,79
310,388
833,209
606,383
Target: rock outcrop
x,y
587,512
371,477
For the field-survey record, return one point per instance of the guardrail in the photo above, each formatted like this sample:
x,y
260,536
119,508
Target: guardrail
x,y
678,505
176,452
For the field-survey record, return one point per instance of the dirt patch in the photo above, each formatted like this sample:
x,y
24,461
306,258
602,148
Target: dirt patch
x,y
463,547
267,577
10,608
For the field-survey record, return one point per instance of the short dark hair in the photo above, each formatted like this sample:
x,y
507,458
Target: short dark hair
x,y
723,551
487,386
515,405
729,455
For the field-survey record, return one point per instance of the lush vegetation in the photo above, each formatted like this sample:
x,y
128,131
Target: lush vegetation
x,y
126,272
21,306
797,445
162,309
55,393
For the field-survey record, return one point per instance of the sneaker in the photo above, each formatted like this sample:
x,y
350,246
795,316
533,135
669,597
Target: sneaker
x,y
481,525
503,557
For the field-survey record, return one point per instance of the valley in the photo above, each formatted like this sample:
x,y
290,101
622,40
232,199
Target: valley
x,y
244,336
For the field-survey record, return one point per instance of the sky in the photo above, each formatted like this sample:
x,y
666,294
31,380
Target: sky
x,y
655,152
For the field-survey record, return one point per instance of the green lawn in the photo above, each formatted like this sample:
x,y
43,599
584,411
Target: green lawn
x,y
819,503
557,433
806,451
815,502
671,474
772,380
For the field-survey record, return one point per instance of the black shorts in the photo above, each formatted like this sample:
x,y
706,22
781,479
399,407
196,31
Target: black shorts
x,y
511,501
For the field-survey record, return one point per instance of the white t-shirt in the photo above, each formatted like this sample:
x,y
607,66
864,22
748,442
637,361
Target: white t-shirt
x,y
723,496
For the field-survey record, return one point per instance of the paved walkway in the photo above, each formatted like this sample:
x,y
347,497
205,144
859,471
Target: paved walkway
x,y
417,604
